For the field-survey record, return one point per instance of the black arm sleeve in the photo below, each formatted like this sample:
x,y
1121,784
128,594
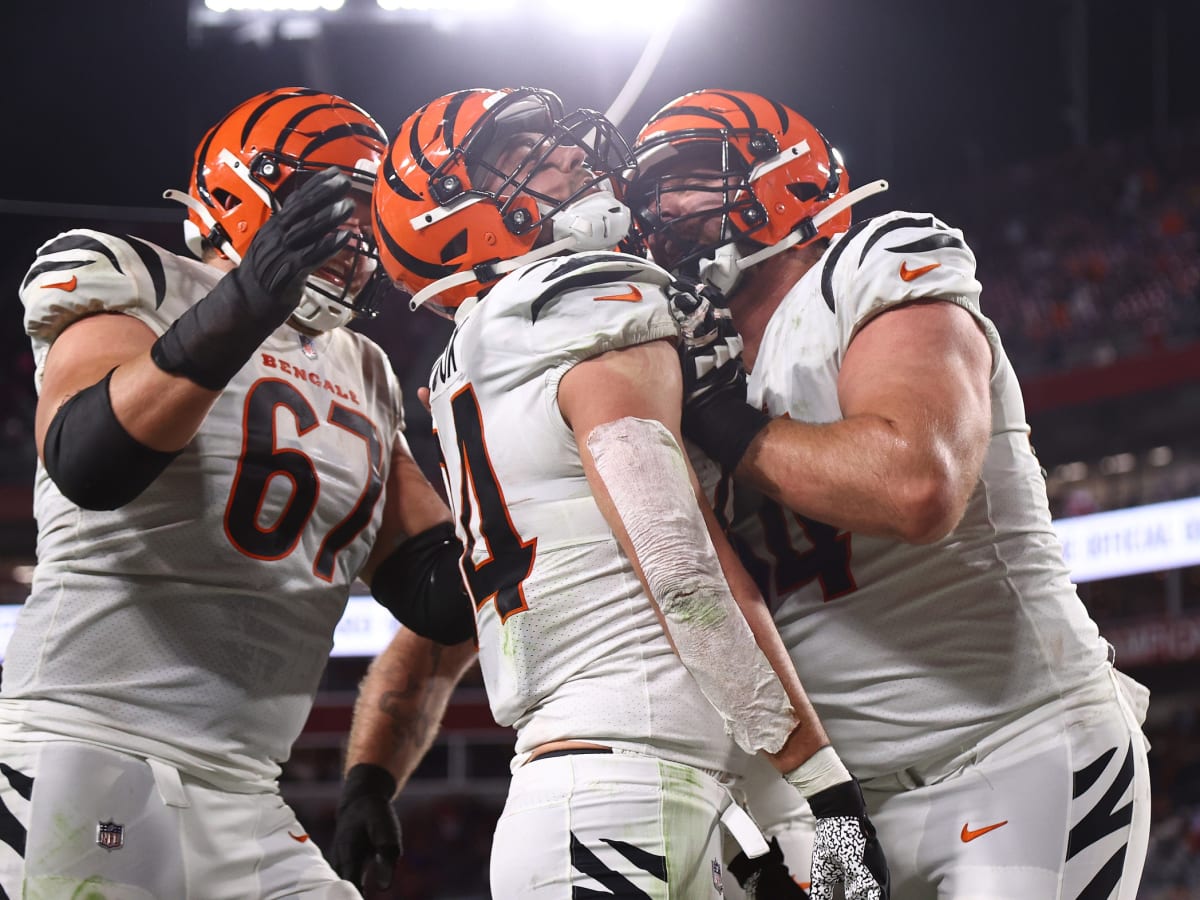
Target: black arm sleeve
x,y
92,459
421,585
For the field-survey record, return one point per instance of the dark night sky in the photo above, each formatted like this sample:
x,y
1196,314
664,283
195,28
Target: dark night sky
x,y
107,100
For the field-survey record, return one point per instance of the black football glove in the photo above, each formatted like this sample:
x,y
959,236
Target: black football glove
x,y
845,848
716,416
766,877
367,828
210,342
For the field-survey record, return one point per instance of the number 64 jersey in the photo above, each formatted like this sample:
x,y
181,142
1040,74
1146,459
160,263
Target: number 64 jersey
x,y
193,623
910,653
569,643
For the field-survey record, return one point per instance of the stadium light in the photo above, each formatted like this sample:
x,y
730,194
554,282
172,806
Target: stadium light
x,y
221,6
447,6
623,14
628,15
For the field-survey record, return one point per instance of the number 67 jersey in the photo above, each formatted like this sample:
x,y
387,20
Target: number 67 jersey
x,y
193,623
569,643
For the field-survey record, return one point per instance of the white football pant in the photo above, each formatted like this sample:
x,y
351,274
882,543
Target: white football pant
x,y
599,825
1053,806
80,820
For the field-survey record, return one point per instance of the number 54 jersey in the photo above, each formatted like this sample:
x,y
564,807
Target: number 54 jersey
x,y
569,643
910,653
193,623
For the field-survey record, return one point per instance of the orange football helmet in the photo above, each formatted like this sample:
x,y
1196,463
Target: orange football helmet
x,y
454,207
259,153
773,177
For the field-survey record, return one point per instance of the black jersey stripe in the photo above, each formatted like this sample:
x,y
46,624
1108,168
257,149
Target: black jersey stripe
x,y
894,225
570,283
832,261
154,268
62,245
930,242
56,265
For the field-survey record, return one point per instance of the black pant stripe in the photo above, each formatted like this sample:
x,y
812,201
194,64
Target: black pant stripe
x,y
21,783
645,860
12,832
1087,776
1105,818
1102,886
585,861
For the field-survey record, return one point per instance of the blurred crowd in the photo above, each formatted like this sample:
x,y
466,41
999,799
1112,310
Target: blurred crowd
x,y
1086,258
1092,255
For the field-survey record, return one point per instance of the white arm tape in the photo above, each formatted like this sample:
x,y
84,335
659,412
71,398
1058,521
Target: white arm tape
x,y
646,475
822,770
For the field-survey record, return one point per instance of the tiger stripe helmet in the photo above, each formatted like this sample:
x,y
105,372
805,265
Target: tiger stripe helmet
x,y
776,172
443,208
249,162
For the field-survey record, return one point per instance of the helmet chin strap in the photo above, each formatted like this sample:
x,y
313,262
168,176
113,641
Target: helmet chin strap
x,y
725,269
191,233
596,222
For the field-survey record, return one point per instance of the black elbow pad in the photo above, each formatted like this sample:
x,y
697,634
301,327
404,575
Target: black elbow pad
x,y
93,460
421,585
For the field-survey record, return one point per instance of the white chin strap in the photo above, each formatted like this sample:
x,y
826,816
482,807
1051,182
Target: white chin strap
x,y
317,312
596,222
191,234
725,269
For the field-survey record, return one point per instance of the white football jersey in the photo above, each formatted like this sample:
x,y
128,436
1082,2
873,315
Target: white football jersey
x,y
569,643
194,623
910,653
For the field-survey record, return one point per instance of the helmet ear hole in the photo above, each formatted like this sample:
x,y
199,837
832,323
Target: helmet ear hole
x,y
226,200
804,190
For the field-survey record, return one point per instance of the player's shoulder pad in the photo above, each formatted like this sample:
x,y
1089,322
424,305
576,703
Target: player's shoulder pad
x,y
895,258
570,308
81,272
591,275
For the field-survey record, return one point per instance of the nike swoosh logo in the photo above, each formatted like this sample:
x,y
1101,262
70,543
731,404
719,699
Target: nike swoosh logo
x,y
68,285
909,274
299,838
969,835
632,296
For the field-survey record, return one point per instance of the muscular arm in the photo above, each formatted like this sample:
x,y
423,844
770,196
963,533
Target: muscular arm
x,y
401,702
903,460
160,410
644,382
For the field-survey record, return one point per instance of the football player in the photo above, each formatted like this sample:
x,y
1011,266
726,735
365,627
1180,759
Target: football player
x,y
219,460
588,554
885,496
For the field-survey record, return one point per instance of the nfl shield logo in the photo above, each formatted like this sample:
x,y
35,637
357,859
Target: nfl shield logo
x,y
717,882
110,835
308,347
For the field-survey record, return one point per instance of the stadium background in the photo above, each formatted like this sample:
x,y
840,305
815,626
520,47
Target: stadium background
x,y
1063,136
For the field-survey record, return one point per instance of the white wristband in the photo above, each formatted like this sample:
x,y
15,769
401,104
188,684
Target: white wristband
x,y
822,770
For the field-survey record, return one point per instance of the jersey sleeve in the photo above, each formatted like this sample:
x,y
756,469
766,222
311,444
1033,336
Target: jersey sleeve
x,y
82,272
895,259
